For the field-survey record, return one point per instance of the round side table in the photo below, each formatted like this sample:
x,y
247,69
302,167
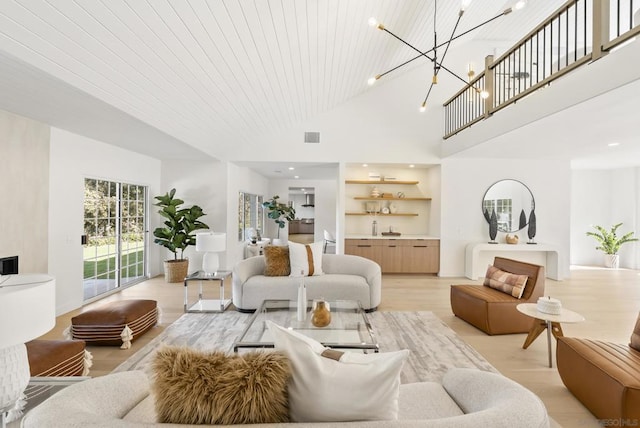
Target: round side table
x,y
546,321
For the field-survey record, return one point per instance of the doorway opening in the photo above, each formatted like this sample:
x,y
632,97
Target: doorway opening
x,y
302,229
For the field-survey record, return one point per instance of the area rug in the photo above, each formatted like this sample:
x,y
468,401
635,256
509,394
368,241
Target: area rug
x,y
435,348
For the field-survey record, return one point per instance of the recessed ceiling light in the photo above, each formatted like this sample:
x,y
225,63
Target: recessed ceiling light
x,y
365,165
296,176
613,144
291,168
302,190
412,166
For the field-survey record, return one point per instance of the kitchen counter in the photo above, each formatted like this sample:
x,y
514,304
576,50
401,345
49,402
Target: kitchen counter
x,y
380,236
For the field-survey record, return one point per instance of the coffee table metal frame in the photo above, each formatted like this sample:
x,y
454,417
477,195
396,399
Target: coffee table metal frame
x,y
206,305
546,321
347,316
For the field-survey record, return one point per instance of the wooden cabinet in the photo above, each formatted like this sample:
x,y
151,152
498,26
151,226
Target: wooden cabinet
x,y
398,255
422,256
368,248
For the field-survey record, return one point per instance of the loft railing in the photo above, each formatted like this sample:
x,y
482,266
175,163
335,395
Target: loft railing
x,y
577,33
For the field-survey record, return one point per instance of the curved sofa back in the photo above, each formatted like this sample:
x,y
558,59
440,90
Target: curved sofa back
x,y
331,264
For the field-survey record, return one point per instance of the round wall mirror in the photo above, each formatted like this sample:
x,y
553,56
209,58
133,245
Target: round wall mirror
x,y
512,202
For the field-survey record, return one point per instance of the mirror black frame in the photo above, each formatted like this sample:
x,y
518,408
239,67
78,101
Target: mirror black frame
x,y
523,216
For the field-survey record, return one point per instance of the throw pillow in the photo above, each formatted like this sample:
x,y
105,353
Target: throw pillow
x,y
193,387
334,386
276,260
506,282
306,259
635,336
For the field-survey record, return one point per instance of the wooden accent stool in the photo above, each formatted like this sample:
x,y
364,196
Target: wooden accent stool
x,y
58,358
115,323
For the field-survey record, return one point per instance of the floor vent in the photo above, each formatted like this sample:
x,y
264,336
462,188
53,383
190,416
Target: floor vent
x,y
311,137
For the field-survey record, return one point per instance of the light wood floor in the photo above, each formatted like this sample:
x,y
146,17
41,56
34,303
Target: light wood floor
x,y
609,300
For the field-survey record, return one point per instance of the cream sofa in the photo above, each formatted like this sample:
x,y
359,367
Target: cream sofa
x,y
346,277
467,398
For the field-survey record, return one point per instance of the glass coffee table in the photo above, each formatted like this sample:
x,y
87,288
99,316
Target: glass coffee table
x,y
349,327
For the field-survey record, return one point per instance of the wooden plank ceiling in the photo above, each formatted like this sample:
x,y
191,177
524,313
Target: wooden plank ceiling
x,y
215,73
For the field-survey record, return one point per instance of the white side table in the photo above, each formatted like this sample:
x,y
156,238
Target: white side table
x,y
546,321
206,305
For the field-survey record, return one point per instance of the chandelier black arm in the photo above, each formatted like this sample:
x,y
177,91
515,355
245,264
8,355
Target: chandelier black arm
x,y
449,43
426,56
422,54
505,12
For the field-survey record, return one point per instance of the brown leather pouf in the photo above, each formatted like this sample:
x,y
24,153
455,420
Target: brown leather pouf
x,y
57,358
115,323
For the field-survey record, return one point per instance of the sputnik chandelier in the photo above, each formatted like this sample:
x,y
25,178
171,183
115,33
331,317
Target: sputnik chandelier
x,y
432,54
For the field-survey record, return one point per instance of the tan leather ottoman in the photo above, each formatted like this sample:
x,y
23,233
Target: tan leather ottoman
x,y
115,323
58,358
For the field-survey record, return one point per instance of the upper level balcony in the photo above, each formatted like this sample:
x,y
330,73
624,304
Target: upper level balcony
x,y
576,51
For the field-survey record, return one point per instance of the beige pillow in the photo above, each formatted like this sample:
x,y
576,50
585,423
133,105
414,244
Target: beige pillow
x,y
193,387
329,385
506,282
306,259
635,336
276,260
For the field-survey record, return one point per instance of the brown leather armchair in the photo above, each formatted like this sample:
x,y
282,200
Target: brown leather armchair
x,y
604,376
493,311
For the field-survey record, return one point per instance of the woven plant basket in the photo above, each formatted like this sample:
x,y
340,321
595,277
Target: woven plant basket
x,y
175,270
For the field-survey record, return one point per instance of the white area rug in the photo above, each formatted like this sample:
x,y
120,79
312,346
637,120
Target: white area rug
x,y
435,348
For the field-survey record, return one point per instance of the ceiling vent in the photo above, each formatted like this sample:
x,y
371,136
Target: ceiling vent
x,y
311,137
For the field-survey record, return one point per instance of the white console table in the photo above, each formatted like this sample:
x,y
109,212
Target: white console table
x,y
474,267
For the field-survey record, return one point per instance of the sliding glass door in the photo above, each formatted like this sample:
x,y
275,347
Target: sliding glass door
x,y
114,235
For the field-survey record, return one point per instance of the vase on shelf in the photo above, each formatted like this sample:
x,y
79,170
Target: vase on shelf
x,y
393,208
321,314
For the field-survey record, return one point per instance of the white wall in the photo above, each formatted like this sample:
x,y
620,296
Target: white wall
x,y
240,179
202,183
73,158
604,198
464,182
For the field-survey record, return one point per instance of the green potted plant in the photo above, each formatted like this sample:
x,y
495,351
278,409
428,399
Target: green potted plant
x,y
178,233
610,243
280,213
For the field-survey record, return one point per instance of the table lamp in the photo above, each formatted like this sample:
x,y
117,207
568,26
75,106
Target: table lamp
x,y
27,311
211,243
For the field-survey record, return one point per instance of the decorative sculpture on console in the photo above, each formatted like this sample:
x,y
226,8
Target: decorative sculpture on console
x,y
493,227
531,232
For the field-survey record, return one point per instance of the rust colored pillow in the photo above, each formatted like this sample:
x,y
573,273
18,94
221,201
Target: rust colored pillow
x,y
276,260
506,282
635,336
194,387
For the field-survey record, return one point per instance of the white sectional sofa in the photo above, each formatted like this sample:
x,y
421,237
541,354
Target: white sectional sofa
x,y
467,398
345,277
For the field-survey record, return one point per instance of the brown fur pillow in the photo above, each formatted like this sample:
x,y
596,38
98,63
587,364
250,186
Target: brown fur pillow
x,y
193,387
276,260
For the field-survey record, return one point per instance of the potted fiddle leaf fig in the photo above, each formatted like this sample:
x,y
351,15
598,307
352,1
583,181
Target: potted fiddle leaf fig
x,y
610,243
178,233
279,212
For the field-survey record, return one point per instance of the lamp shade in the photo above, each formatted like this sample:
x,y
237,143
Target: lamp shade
x,y
211,242
27,307
27,311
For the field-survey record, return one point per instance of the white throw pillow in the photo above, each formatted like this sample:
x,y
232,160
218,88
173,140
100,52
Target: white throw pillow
x,y
356,387
301,261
